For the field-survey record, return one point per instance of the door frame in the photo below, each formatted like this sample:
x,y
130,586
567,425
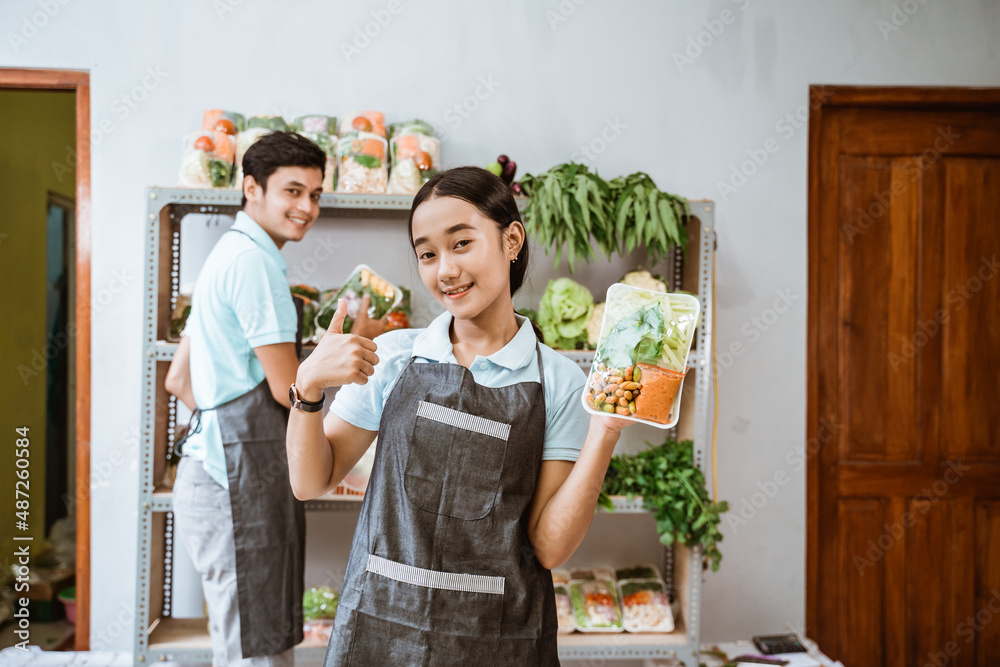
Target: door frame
x,y
77,81
823,97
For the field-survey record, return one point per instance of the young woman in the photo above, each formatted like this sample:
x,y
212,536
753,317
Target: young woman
x,y
480,483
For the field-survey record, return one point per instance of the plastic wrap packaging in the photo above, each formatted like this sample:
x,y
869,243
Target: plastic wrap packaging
x,y
363,121
329,145
361,164
637,572
273,123
384,297
645,605
641,357
208,160
229,122
315,123
564,610
415,157
588,573
244,140
596,606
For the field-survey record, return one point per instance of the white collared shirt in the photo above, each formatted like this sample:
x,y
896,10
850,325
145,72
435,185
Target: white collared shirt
x,y
566,421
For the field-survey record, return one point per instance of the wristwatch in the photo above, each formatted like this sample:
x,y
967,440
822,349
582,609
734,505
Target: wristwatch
x,y
302,404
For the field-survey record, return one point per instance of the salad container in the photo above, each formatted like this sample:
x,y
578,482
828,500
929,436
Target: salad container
x,y
596,606
208,160
315,123
637,572
641,357
363,121
587,573
229,122
384,297
329,145
272,123
415,156
361,163
564,610
646,606
560,576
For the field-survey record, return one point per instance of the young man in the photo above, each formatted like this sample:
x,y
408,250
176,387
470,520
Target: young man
x,y
233,505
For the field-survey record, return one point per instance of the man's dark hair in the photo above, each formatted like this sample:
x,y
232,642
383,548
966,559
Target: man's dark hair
x,y
280,149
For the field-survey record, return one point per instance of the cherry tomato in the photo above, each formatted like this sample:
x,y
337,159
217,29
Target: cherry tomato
x,y
203,143
225,125
396,320
423,160
361,124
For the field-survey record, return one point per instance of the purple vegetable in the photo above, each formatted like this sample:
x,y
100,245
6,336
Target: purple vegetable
x,y
509,169
503,160
515,188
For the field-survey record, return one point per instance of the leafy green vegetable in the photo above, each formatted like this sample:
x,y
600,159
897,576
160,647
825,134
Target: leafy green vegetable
x,y
319,602
564,312
673,489
367,161
635,338
220,172
647,327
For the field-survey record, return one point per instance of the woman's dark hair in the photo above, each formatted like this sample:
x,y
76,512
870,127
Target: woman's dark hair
x,y
280,149
491,197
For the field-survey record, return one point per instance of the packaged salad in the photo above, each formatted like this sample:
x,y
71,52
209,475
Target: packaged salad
x,y
208,160
646,606
637,572
329,145
595,606
273,123
415,156
315,123
229,122
561,576
361,163
641,356
363,121
384,297
564,610
591,573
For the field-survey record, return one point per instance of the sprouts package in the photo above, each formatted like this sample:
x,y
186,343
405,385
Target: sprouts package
x,y
384,297
595,606
362,166
415,156
208,160
641,357
646,606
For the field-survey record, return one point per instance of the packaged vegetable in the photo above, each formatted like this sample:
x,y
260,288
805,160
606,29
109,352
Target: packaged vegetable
x,y
208,160
319,602
229,122
329,145
273,123
399,317
384,297
362,163
591,573
642,355
315,123
564,610
363,121
596,606
415,155
560,576
564,312
637,572
244,140
308,291
646,607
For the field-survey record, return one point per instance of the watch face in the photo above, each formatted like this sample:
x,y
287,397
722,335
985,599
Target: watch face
x,y
292,398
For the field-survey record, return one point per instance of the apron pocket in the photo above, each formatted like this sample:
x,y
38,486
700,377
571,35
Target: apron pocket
x,y
455,462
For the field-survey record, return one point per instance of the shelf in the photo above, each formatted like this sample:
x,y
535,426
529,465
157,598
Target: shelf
x,y
177,639
163,501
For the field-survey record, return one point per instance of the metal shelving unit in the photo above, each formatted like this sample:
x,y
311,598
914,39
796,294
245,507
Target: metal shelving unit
x,y
160,637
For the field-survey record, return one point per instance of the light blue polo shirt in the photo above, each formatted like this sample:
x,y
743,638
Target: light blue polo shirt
x,y
566,421
241,301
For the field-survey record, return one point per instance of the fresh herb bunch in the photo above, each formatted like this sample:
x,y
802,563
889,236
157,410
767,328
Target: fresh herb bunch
x,y
572,207
673,489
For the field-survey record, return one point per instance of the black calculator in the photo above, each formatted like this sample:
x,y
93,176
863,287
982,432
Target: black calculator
x,y
771,644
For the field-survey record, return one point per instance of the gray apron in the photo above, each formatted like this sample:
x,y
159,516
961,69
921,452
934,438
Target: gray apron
x,y
441,571
269,524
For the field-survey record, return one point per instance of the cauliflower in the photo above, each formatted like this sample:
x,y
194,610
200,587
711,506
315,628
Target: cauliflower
x,y
594,325
644,280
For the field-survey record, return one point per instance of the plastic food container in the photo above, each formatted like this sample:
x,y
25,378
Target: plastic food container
x,y
208,160
329,145
415,156
273,123
315,123
560,577
641,359
564,610
362,166
363,280
363,121
591,573
638,572
212,120
596,607
646,606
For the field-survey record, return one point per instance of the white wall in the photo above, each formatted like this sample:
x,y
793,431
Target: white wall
x,y
557,85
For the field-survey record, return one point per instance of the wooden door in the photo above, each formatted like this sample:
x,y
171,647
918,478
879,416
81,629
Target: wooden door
x,y
903,485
